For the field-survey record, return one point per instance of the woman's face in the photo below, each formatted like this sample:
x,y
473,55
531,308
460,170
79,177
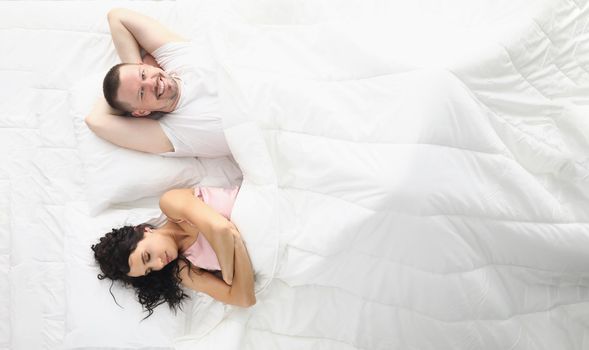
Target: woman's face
x,y
152,253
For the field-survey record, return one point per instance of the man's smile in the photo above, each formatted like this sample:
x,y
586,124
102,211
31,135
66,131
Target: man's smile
x,y
161,86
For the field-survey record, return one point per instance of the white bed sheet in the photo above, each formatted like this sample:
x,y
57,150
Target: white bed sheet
x,y
415,176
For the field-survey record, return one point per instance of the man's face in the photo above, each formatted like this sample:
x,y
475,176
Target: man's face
x,y
147,89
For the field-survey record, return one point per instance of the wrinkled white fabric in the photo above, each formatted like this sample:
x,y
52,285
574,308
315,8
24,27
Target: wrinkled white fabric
x,y
194,128
415,176
415,205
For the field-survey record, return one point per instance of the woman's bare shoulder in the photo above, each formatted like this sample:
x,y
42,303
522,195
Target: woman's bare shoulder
x,y
175,198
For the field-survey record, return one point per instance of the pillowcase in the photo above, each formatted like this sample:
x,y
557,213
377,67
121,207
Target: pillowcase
x,y
93,319
114,174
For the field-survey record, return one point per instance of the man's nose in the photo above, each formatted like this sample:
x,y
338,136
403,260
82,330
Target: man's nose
x,y
151,82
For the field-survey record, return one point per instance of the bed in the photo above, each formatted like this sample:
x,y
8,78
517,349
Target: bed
x,y
414,175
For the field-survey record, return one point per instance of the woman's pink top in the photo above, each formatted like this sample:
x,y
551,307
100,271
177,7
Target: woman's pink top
x,y
201,253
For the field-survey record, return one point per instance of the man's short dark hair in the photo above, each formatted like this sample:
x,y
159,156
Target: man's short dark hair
x,y
110,86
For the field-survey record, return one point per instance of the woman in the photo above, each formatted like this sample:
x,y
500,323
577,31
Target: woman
x,y
198,248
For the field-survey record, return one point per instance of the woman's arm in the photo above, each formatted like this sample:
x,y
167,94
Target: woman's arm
x,y
183,205
241,293
243,279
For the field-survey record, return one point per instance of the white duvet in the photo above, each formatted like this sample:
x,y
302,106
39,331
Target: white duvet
x,y
391,205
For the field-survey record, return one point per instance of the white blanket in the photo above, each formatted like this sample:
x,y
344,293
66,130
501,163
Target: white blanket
x,y
413,207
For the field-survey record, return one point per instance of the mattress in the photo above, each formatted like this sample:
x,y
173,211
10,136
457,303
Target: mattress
x,y
415,176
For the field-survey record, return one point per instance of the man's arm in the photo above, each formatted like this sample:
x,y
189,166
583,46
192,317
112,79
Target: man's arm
x,y
148,59
140,134
132,31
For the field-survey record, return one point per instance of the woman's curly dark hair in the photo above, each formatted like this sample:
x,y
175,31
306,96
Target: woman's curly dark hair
x,y
158,287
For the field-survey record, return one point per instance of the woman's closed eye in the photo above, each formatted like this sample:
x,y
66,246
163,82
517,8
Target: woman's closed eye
x,y
147,258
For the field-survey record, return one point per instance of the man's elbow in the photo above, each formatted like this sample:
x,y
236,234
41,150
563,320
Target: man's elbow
x,y
93,122
114,13
90,121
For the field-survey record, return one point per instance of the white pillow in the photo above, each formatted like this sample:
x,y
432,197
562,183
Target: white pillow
x,y
115,174
93,320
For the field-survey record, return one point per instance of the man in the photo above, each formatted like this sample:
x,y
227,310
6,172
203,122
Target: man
x,y
185,89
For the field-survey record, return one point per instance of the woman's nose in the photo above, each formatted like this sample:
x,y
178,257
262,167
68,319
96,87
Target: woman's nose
x,y
157,264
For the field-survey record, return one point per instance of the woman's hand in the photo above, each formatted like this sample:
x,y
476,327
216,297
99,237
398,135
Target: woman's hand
x,y
240,293
182,206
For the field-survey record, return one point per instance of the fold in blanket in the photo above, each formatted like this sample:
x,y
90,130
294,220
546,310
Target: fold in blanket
x,y
378,208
